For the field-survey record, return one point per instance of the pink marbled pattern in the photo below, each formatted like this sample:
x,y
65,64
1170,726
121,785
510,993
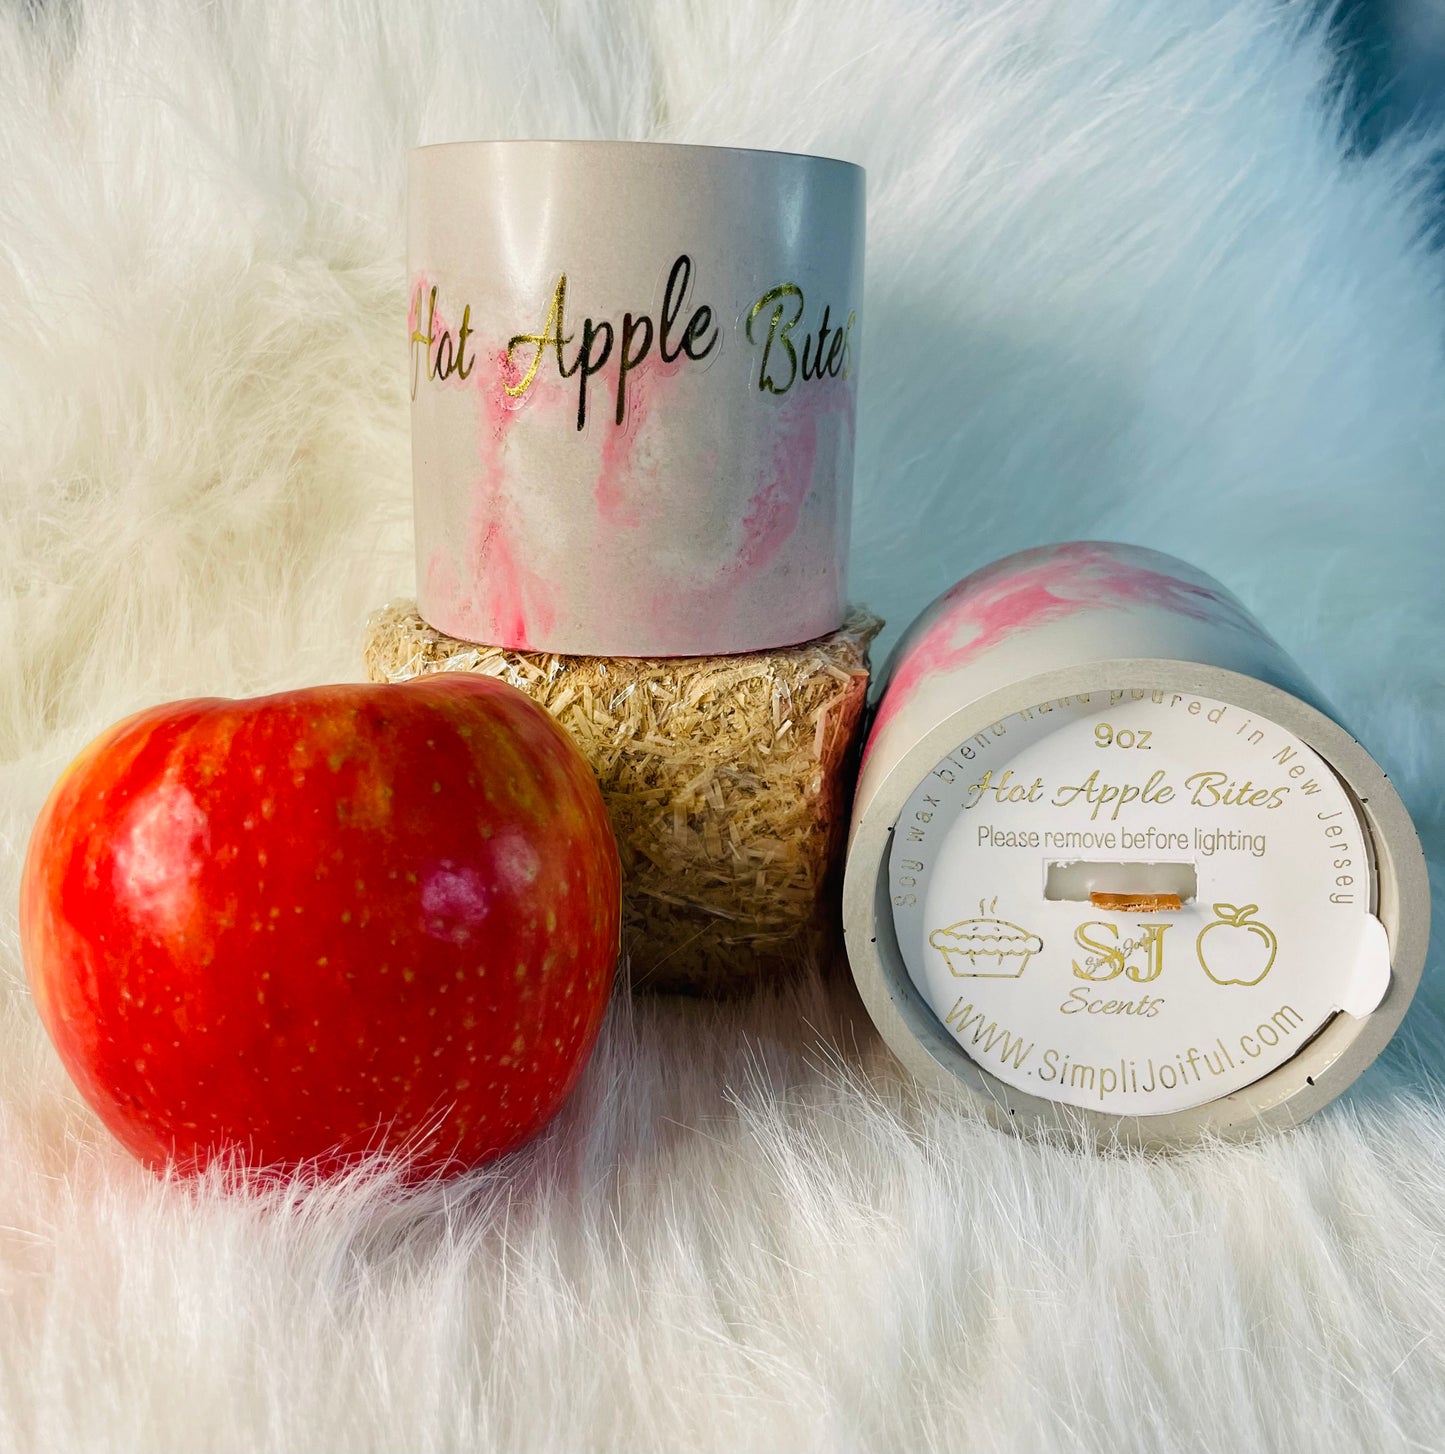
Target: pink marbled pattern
x,y
774,520
615,493
774,510
611,493
617,547
1035,588
776,507
495,596
516,600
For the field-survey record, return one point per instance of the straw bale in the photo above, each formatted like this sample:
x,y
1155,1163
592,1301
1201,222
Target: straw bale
x,y
727,780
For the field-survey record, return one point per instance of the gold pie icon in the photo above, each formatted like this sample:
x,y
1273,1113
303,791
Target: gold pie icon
x,y
986,947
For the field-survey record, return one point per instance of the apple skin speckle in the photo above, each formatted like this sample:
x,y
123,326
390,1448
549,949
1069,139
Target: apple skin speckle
x,y
412,836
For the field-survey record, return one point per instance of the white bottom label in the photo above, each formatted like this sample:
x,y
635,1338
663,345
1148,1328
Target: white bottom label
x,y
1034,873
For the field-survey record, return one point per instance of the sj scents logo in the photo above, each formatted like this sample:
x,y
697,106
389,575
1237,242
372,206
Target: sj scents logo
x,y
1139,958
790,346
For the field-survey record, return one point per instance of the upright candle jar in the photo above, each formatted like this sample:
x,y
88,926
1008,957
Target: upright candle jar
x,y
633,372
1114,866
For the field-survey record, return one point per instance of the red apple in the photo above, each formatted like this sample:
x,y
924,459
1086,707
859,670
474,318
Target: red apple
x,y
296,929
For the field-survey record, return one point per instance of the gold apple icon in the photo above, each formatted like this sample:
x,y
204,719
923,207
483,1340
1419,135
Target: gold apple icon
x,y
1246,944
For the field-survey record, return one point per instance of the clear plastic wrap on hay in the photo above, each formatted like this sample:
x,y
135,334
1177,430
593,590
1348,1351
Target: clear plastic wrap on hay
x,y
727,778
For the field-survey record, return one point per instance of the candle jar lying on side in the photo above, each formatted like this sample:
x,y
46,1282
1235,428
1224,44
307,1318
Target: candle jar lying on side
x,y
727,779
1116,868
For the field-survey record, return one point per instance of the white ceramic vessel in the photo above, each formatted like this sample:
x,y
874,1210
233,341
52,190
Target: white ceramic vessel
x,y
633,371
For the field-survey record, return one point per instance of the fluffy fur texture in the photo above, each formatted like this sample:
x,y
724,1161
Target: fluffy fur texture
x,y
1123,281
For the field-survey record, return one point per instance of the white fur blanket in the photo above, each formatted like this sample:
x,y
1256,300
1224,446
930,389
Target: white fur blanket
x,y
1124,280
